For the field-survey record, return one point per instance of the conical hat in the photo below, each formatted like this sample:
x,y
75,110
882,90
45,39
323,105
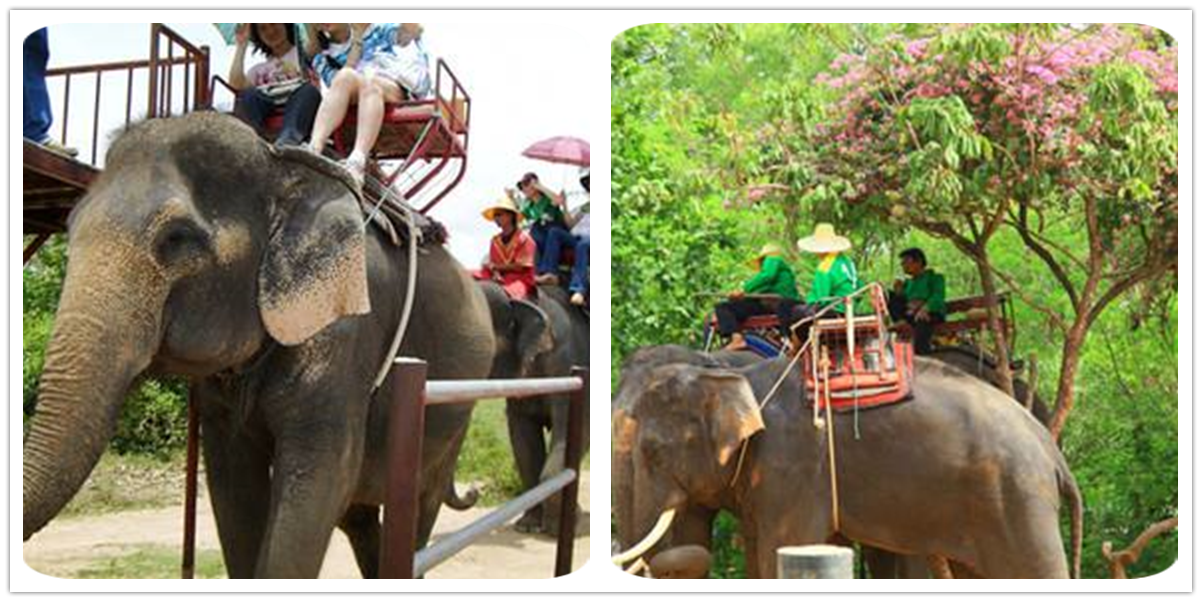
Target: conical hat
x,y
824,240
504,203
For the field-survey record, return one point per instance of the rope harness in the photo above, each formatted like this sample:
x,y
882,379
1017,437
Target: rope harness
x,y
823,365
406,213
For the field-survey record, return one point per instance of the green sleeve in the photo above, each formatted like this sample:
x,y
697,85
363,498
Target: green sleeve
x,y
937,302
762,282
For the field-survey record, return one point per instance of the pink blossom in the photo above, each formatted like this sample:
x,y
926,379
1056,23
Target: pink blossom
x,y
1043,73
917,48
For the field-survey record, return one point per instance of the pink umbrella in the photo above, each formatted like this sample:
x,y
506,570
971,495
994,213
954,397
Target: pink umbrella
x,y
560,149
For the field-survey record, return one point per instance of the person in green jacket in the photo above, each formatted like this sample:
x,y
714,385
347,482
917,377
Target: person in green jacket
x,y
774,279
920,299
835,276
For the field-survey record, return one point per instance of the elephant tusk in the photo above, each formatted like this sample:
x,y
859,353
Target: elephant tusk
x,y
657,533
638,567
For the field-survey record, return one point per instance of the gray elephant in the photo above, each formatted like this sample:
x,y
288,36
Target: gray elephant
x,y
960,472
694,524
540,338
203,252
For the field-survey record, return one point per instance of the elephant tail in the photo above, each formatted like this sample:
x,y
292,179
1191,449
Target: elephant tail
x,y
1069,489
460,503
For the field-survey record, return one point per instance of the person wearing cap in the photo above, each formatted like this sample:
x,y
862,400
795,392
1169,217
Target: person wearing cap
x,y
511,252
920,300
774,277
544,210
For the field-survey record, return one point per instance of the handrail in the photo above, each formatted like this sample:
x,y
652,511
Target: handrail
x,y
398,557
160,69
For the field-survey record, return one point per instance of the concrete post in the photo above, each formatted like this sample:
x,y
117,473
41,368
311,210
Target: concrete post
x,y
814,562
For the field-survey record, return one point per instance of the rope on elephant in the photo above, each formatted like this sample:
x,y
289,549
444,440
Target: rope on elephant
x,y
410,292
830,440
743,447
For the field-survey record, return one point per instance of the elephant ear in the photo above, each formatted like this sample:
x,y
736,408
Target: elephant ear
x,y
315,268
733,412
534,336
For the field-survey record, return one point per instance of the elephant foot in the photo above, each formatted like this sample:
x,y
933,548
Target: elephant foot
x,y
531,522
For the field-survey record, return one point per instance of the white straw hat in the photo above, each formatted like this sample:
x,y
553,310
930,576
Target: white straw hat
x,y
824,240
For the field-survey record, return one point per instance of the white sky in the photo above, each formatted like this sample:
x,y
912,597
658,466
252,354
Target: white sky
x,y
524,88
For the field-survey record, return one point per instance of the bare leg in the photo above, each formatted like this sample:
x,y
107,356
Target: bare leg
x,y
372,97
333,107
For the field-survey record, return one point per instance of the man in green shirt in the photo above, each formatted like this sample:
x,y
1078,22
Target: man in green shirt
x,y
774,278
920,299
543,209
834,278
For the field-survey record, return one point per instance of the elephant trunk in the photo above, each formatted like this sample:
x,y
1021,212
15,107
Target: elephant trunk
x,y
105,335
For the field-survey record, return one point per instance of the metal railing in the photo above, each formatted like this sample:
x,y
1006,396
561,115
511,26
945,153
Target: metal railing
x,y
399,558
183,60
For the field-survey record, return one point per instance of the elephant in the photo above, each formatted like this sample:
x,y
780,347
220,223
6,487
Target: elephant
x,y
204,252
679,431
543,337
694,524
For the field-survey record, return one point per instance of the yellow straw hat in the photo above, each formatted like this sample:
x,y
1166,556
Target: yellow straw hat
x,y
824,240
503,203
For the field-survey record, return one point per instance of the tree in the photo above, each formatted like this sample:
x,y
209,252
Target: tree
x,y
965,131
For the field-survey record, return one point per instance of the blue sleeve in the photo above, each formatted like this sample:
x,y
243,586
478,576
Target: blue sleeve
x,y
388,31
323,68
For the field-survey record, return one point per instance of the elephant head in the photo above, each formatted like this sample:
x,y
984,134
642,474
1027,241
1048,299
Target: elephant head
x,y
677,433
523,333
197,247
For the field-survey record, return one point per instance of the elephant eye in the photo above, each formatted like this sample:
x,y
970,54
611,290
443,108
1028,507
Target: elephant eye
x,y
181,241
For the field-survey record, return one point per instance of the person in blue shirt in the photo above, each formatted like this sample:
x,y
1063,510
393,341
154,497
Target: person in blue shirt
x,y
369,64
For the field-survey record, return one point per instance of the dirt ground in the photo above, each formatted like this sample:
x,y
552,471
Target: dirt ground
x,y
68,545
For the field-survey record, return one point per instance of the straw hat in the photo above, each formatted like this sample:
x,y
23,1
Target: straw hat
x,y
770,249
824,240
503,203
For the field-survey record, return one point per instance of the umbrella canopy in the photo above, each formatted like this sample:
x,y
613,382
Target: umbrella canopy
x,y
560,149
227,32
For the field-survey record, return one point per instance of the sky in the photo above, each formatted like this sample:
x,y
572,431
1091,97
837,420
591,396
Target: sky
x,y
523,89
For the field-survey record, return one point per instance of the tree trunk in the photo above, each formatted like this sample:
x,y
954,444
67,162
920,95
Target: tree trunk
x,y
1001,345
1069,363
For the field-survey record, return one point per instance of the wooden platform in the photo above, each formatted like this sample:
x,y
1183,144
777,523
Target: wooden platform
x,y
52,183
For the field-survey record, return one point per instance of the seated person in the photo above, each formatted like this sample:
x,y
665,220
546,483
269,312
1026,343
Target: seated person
x,y
511,252
920,300
358,63
579,220
280,81
834,277
774,277
544,210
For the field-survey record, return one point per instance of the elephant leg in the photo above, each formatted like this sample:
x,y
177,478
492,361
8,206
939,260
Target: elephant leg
x,y
556,460
530,454
237,471
311,483
361,523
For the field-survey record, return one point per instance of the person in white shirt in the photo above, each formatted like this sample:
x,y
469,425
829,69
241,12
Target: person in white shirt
x,y
279,83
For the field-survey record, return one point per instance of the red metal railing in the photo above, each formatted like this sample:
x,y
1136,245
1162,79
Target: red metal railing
x,y
182,59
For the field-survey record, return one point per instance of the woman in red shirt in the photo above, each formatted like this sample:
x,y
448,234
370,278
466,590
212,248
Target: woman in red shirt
x,y
511,252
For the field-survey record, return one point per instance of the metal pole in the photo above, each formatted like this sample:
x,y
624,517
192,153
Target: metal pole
x,y
188,565
453,543
406,425
567,514
151,102
814,562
